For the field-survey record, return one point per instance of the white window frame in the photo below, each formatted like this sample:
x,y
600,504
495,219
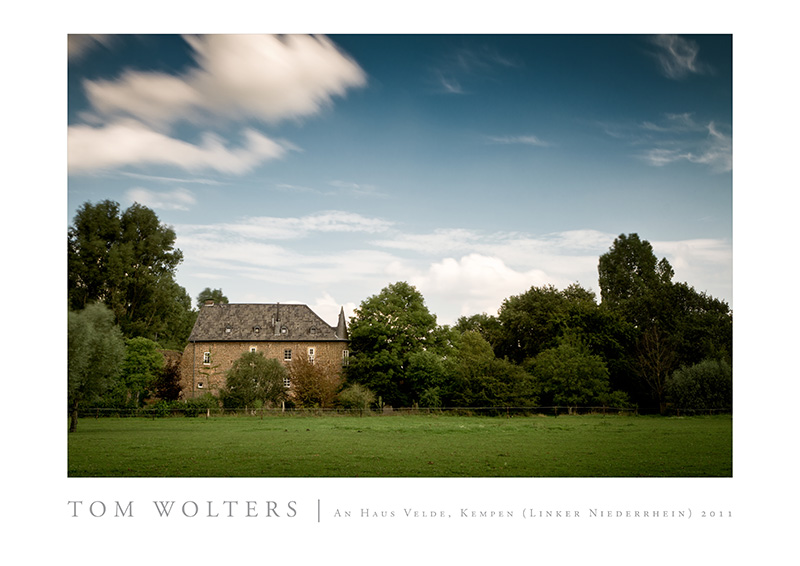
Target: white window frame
x,y
206,358
312,353
287,355
253,349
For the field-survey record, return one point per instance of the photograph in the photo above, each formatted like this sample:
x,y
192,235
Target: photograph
x,y
400,255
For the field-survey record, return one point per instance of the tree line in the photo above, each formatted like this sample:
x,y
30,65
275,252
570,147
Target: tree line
x,y
648,341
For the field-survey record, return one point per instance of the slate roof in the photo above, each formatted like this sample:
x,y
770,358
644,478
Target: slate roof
x,y
264,322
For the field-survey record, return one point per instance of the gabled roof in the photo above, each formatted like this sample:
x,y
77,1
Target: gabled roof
x,y
264,322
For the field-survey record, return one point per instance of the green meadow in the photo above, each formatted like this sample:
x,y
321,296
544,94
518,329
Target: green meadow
x,y
403,446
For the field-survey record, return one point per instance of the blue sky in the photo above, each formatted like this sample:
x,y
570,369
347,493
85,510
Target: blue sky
x,y
321,169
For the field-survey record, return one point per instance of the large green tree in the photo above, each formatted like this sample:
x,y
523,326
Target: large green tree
x,y
669,324
475,377
385,333
254,381
570,375
127,260
95,349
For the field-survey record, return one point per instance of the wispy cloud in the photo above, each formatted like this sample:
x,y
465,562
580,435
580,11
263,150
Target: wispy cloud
x,y
678,56
162,179
677,137
128,142
179,199
266,228
714,150
523,140
468,64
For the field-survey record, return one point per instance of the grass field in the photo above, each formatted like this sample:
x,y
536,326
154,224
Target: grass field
x,y
403,446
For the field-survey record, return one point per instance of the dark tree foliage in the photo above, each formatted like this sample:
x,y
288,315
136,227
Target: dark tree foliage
x,y
703,386
127,261
168,381
669,324
476,378
571,375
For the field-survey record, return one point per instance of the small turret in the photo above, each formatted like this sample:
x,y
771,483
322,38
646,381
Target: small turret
x,y
341,328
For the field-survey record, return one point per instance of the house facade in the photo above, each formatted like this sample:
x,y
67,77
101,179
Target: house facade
x,y
285,332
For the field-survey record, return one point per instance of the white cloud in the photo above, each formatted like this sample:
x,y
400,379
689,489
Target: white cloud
x,y
265,77
472,284
128,142
678,56
179,199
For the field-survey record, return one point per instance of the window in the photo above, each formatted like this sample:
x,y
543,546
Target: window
x,y
199,384
284,330
311,354
252,349
345,357
313,330
257,329
287,382
206,358
228,329
287,355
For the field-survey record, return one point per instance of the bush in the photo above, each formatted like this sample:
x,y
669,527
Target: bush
x,y
356,397
703,386
193,407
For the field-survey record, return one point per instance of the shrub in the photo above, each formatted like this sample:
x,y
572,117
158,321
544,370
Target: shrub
x,y
706,385
193,407
356,397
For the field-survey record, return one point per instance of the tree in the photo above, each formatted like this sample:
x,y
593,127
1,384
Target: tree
x,y
476,378
631,279
254,381
168,381
570,375
208,294
313,384
387,329
95,352
127,261
141,368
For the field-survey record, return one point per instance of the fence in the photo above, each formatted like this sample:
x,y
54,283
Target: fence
x,y
156,411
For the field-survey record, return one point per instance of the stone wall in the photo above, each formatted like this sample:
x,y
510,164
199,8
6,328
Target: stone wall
x,y
198,377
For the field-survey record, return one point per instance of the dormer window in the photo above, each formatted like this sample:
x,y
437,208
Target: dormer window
x,y
228,329
313,330
284,330
257,329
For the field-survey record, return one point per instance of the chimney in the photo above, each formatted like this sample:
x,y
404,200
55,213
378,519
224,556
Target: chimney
x,y
209,303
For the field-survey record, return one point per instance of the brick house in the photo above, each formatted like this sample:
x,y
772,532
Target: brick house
x,y
223,332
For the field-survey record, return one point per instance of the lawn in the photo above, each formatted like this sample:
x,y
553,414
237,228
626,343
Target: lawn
x,y
403,446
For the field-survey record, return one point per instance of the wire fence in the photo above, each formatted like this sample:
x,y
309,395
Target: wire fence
x,y
155,411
